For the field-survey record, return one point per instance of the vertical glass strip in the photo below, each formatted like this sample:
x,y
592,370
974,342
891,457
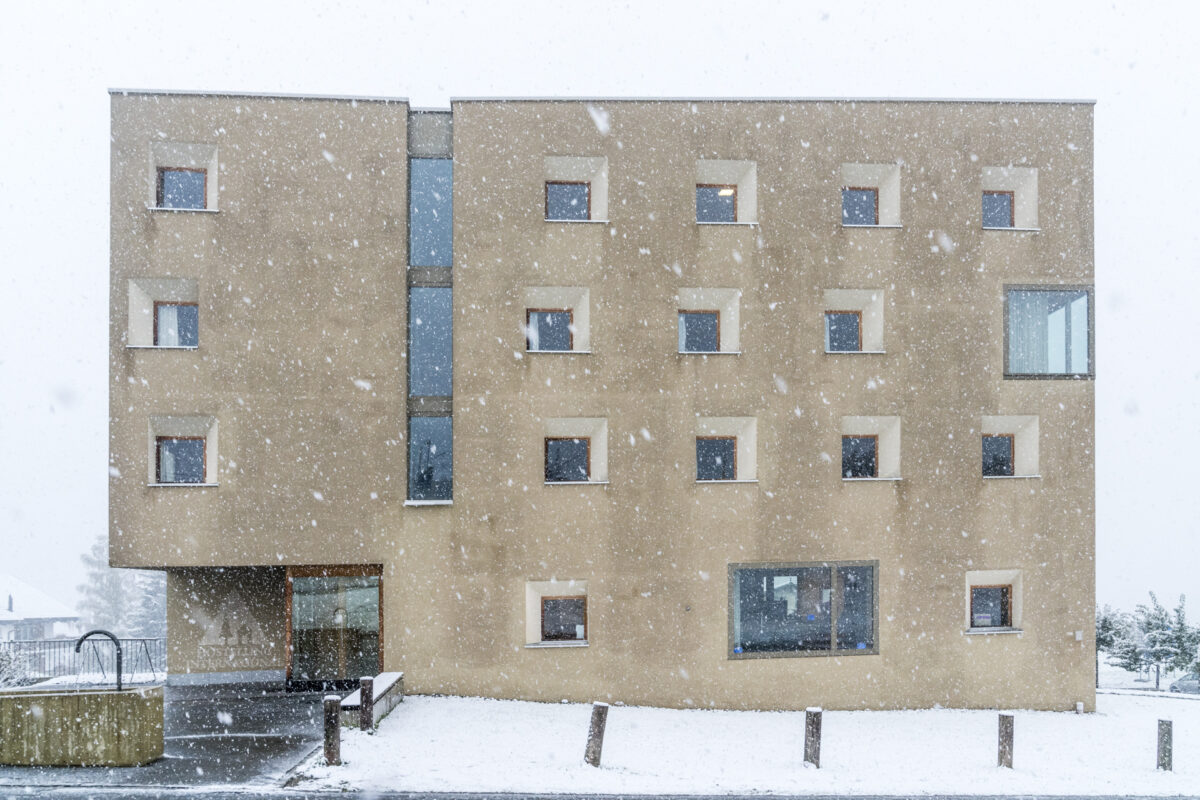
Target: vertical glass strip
x,y
430,458
430,212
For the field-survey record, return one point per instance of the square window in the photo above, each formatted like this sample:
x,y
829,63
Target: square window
x,y
1049,331
991,606
568,459
568,200
843,331
860,205
549,330
430,458
999,209
999,456
859,457
564,618
176,324
803,609
716,202
180,459
181,187
699,331
716,458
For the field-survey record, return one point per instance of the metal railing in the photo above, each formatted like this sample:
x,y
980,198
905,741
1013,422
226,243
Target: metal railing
x,y
35,661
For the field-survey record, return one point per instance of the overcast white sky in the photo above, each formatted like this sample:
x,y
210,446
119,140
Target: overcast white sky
x,y
1136,59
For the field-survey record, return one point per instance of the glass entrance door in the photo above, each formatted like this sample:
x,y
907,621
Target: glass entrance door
x,y
334,626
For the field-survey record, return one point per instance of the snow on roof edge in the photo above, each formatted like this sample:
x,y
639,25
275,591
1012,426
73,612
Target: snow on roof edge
x,y
261,95
1014,100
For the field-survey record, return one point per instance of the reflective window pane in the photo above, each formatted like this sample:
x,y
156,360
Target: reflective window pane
x,y
699,331
998,209
180,460
716,458
567,460
564,618
843,331
783,609
549,330
430,342
856,613
176,324
998,455
859,457
716,203
430,458
991,606
430,212
1048,332
335,628
860,206
181,188
568,201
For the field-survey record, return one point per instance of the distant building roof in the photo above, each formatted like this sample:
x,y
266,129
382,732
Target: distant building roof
x,y
20,601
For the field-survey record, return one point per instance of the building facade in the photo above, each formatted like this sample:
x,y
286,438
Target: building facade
x,y
740,404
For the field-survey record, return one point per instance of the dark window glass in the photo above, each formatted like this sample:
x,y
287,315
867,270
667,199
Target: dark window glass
x,y
181,188
431,212
335,630
549,330
716,458
564,619
568,201
856,616
180,460
998,455
567,460
716,203
998,210
991,606
1048,332
430,458
176,324
860,206
430,326
843,331
699,331
859,457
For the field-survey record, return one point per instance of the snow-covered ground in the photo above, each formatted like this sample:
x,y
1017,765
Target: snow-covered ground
x,y
473,744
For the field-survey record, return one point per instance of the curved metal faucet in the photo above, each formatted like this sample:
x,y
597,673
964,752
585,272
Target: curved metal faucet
x,y
116,641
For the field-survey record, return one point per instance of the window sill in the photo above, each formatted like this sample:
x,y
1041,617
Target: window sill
x,y
1007,228
870,480
729,224
183,210
736,480
991,631
161,347
855,352
709,352
183,485
428,502
1048,376
581,221
852,225
576,483
563,352
550,645
1009,477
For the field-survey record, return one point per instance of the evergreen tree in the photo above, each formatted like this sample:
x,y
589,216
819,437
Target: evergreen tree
x,y
1186,639
126,602
1158,637
1111,627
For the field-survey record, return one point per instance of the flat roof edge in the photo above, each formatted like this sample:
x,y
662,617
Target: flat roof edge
x,y
260,95
1043,101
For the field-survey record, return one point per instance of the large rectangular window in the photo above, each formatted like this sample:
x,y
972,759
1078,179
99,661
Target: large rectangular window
x,y
803,609
430,328
1049,331
430,458
431,212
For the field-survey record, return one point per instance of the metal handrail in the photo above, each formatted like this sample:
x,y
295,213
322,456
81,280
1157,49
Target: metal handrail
x,y
116,642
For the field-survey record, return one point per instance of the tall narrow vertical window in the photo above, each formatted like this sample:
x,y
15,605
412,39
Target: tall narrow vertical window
x,y
181,187
176,324
431,212
430,323
1049,332
430,458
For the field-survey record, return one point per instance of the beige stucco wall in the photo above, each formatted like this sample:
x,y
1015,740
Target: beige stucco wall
x,y
654,546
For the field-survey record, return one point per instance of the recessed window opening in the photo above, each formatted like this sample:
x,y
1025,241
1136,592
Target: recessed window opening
x,y
699,331
181,187
999,209
568,459
180,459
716,458
549,329
843,331
568,201
1049,332
859,456
176,324
860,205
999,454
564,619
716,202
991,606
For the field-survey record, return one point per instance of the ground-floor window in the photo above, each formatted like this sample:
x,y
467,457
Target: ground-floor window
x,y
335,625
825,608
